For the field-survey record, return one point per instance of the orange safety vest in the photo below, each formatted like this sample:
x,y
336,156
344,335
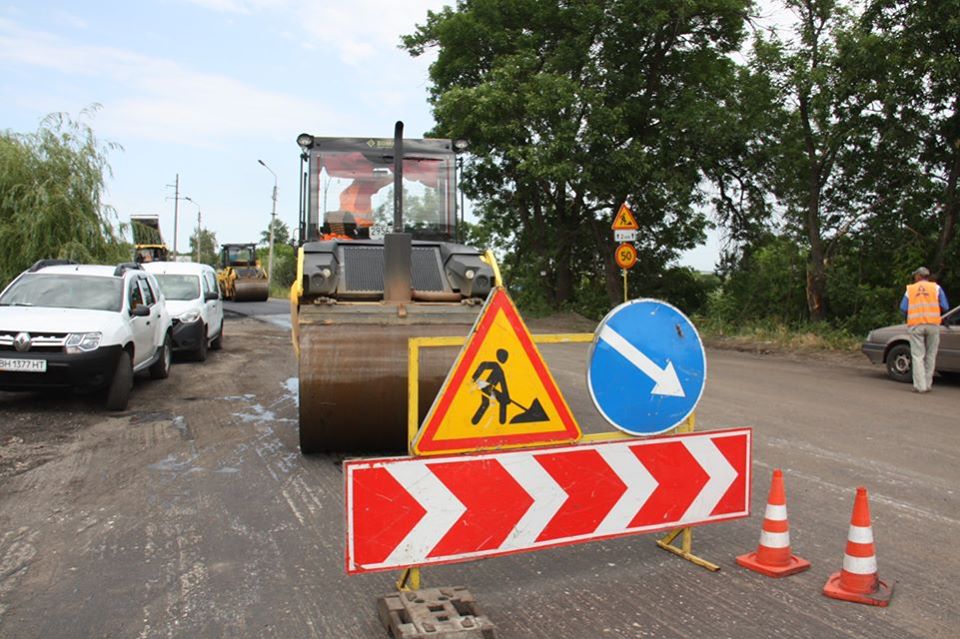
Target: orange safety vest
x,y
923,303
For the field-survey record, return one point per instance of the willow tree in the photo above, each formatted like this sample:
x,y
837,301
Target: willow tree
x,y
51,188
572,107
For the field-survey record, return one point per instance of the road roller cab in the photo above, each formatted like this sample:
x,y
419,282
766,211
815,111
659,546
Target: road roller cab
x,y
241,278
379,263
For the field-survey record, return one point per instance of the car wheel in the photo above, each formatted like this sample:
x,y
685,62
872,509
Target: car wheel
x,y
899,365
200,354
161,368
217,343
118,393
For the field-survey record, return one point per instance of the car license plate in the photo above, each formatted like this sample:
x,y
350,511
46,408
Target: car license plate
x,y
23,365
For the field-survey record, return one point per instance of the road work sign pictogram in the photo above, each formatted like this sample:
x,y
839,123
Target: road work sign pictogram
x,y
499,393
647,367
413,511
624,219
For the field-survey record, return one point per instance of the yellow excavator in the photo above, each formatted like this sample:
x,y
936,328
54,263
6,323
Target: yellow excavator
x,y
378,263
241,277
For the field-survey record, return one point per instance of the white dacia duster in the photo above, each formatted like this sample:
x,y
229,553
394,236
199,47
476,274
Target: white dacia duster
x,y
87,327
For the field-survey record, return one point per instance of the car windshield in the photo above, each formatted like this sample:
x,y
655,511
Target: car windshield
x,y
71,291
179,287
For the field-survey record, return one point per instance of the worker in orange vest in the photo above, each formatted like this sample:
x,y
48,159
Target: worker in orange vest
x,y
923,303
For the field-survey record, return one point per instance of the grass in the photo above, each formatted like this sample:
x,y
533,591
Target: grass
x,y
772,335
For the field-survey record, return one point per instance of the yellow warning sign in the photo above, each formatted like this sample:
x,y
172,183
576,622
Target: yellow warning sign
x,y
624,219
499,393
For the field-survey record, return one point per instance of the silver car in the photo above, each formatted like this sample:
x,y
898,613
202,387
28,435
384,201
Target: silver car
x,y
890,345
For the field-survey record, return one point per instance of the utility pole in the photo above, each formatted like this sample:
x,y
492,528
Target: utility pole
x,y
176,210
198,234
273,220
192,201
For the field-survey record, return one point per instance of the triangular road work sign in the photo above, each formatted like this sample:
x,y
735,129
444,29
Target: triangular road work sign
x,y
624,220
499,393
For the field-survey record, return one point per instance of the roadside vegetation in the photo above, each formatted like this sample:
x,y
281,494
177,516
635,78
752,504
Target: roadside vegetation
x,y
826,155
51,196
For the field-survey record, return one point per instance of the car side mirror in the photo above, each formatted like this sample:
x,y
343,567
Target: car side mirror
x,y
140,311
211,295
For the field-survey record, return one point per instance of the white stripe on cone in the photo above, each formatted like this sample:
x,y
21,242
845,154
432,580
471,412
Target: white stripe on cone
x,y
774,539
860,565
861,534
775,512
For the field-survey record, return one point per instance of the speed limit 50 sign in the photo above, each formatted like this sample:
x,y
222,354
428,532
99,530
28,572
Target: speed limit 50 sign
x,y
626,256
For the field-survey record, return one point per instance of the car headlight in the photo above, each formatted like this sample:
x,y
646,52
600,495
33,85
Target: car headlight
x,y
189,316
82,342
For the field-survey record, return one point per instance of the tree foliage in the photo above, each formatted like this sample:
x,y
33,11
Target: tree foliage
x,y
281,233
207,241
570,109
51,188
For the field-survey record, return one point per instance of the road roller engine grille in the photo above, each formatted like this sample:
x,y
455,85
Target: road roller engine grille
x,y
363,269
354,271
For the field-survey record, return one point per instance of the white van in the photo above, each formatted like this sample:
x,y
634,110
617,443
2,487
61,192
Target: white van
x,y
193,300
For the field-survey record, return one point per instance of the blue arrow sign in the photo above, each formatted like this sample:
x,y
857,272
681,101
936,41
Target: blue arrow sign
x,y
647,367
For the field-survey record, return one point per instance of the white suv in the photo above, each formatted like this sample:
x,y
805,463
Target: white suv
x,y
193,299
65,325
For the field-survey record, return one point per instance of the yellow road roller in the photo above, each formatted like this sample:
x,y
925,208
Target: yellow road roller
x,y
378,263
240,276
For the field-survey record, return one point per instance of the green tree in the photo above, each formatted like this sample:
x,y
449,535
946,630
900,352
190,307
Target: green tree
x,y
51,189
208,246
912,56
570,109
821,127
281,233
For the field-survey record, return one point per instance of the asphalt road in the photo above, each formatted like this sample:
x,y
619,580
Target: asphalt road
x,y
194,515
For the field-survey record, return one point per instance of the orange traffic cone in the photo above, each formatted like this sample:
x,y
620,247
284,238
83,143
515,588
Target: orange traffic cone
x,y
772,557
859,581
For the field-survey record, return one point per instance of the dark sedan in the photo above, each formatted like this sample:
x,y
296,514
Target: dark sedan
x,y
890,345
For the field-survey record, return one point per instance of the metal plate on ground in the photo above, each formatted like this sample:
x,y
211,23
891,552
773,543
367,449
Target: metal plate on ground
x,y
444,613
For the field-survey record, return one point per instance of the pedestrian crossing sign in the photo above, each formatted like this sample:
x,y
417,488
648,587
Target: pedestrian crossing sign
x,y
499,392
624,220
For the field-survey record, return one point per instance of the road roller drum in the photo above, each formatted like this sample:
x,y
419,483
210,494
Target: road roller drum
x,y
353,371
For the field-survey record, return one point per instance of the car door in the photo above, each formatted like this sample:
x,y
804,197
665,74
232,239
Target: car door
x,y
214,306
152,299
948,357
141,325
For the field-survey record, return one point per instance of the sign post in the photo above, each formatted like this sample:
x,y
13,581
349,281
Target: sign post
x,y
625,229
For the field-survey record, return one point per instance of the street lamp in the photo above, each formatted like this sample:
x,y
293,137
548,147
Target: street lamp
x,y
273,219
189,199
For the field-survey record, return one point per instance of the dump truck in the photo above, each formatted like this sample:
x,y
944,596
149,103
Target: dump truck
x,y
378,263
148,243
241,278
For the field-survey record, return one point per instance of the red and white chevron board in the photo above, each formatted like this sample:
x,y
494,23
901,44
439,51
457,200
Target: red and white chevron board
x,y
415,511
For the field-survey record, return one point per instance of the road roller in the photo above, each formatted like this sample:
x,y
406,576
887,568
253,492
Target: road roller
x,y
241,278
378,262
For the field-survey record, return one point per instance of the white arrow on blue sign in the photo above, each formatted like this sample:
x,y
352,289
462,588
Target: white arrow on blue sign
x,y
647,367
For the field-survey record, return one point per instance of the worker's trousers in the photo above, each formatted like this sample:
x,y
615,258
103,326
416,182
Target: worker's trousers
x,y
924,343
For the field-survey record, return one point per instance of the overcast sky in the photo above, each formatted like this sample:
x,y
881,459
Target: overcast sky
x,y
205,88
